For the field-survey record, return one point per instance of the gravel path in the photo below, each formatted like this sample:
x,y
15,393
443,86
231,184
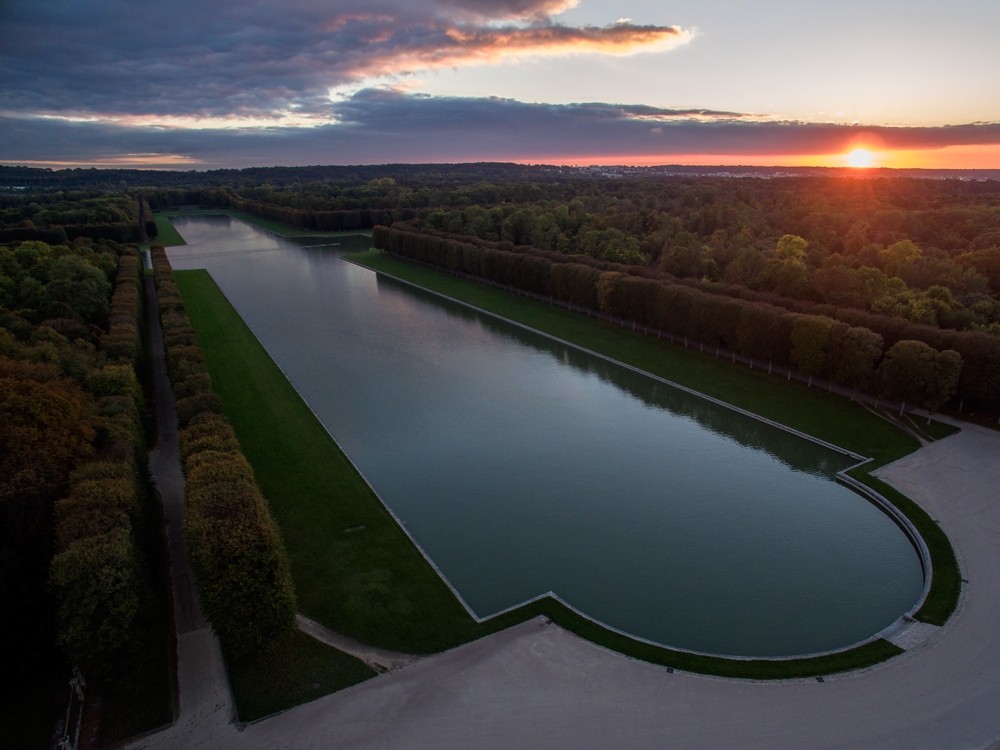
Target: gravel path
x,y
204,705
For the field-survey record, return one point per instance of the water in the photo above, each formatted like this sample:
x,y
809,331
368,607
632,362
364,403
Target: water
x,y
522,466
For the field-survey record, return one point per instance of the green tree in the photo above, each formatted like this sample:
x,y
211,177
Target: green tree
x,y
96,583
916,373
810,344
860,350
79,287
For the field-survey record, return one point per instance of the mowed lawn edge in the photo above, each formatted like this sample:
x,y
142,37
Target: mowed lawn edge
x,y
320,502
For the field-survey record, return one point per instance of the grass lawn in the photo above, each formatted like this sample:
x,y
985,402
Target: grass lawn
x,y
295,670
166,235
357,572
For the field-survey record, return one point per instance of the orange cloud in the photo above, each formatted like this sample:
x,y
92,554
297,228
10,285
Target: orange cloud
x,y
454,46
496,10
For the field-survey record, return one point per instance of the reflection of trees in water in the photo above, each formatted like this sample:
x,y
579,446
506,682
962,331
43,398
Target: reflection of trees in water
x,y
791,450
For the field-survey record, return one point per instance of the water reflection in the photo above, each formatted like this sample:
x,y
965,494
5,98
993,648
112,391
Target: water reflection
x,y
523,466
789,449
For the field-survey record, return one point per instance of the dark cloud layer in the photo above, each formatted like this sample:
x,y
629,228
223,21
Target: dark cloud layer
x,y
233,58
383,126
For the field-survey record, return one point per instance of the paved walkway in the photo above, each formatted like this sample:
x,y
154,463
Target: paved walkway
x,y
204,710
537,686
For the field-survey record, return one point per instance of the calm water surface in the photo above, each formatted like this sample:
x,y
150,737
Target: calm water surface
x,y
522,466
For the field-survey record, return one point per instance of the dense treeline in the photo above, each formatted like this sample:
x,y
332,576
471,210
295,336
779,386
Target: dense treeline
x,y
926,251
100,573
78,521
900,256
921,365
236,549
59,217
324,221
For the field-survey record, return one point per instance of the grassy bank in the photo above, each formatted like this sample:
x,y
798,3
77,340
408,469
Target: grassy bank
x,y
354,568
166,235
357,572
295,670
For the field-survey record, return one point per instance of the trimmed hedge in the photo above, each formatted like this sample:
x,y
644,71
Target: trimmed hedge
x,y
237,553
715,315
99,576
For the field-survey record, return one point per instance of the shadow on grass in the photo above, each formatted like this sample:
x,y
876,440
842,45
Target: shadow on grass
x,y
296,669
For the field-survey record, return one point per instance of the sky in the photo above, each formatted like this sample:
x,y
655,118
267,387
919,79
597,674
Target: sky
x,y
206,85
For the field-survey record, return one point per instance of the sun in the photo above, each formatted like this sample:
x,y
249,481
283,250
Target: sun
x,y
859,158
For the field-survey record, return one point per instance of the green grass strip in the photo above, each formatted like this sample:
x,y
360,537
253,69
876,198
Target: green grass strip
x,y
295,670
166,234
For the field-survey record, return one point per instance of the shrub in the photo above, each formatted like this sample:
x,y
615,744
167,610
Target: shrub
x,y
95,580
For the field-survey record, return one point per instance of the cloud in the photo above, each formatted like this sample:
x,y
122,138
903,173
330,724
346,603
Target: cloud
x,y
493,10
379,125
260,59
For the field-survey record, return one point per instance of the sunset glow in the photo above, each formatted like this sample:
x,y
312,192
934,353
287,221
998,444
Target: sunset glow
x,y
532,81
860,158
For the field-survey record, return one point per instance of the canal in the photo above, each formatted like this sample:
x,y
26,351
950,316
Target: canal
x,y
523,466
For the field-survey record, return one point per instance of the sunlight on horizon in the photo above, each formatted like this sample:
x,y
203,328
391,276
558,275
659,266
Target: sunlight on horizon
x,y
950,157
860,158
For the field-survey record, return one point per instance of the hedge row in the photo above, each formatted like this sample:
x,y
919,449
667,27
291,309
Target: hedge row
x,y
99,575
236,549
324,221
750,327
122,343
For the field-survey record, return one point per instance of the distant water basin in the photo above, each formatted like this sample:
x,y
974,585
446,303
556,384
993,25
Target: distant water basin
x,y
523,466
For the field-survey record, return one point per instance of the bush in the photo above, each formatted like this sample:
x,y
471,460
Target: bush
x,y
190,407
238,556
243,576
95,580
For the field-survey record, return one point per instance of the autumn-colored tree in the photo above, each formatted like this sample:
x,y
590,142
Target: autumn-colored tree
x,y
95,582
48,427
